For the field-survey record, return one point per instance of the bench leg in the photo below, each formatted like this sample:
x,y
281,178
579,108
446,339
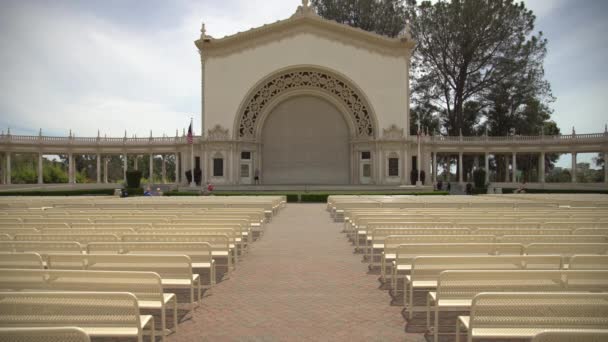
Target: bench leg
x,y
410,308
175,322
199,290
212,272
428,313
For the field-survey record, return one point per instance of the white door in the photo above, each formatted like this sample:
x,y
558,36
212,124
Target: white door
x,y
365,172
245,171
365,167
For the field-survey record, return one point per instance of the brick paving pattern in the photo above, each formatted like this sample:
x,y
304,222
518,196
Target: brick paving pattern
x,y
299,282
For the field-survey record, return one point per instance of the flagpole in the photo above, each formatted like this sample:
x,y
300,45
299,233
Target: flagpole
x,y
418,182
192,182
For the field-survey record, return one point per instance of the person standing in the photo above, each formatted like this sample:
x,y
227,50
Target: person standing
x,y
256,176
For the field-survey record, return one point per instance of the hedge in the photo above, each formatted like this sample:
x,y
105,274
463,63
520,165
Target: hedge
x,y
555,191
292,198
314,198
59,192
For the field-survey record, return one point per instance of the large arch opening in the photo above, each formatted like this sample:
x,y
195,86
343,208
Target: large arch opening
x,y
305,140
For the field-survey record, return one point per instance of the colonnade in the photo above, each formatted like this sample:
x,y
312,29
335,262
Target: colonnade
x,y
7,168
511,169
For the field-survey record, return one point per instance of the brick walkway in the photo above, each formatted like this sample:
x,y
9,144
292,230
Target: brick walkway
x,y
299,282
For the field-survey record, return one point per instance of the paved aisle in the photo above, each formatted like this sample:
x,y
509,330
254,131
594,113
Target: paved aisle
x,y
301,281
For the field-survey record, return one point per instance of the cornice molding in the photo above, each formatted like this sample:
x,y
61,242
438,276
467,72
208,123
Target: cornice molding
x,y
305,22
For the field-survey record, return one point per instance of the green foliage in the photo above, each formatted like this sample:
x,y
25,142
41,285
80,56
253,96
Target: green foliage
x,y
386,17
89,192
292,198
478,58
479,177
133,178
314,198
53,172
555,191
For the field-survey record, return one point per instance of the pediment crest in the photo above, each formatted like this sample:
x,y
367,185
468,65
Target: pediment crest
x,y
392,133
218,133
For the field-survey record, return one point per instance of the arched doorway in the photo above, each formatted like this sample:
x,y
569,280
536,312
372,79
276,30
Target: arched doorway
x,y
305,140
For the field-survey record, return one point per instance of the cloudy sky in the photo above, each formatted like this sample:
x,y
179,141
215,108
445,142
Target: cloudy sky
x,y
130,64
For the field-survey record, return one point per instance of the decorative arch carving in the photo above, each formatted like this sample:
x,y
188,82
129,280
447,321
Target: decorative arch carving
x,y
338,88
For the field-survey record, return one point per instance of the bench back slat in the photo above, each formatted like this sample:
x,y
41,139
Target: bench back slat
x,y
84,309
540,310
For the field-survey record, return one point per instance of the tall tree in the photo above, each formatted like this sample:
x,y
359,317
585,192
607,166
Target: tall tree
x,y
385,17
468,47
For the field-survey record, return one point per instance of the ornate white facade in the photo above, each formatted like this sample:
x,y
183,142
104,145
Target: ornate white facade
x,y
304,101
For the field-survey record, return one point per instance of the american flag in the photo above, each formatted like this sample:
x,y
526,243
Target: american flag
x,y
190,137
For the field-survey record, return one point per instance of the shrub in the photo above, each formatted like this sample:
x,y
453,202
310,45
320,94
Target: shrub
x,y
133,178
314,198
292,198
479,178
89,192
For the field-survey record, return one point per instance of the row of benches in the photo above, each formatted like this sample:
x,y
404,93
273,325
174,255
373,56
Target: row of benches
x,y
452,252
96,264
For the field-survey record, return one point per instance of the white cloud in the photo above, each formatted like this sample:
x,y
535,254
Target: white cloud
x,y
69,69
64,68
542,8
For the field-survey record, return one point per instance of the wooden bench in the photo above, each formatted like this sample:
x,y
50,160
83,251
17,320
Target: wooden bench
x,y
27,260
175,270
425,270
63,334
99,314
199,252
146,286
522,315
456,289
577,335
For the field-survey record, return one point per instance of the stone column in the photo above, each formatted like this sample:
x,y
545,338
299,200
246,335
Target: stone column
x,y
105,170
164,169
406,171
8,168
606,167
507,178
460,168
124,167
135,162
434,156
40,177
514,167
177,168
573,167
98,162
487,167
541,168
71,177
151,179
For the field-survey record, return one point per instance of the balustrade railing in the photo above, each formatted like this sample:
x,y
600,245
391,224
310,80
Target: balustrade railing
x,y
181,140
50,140
516,138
